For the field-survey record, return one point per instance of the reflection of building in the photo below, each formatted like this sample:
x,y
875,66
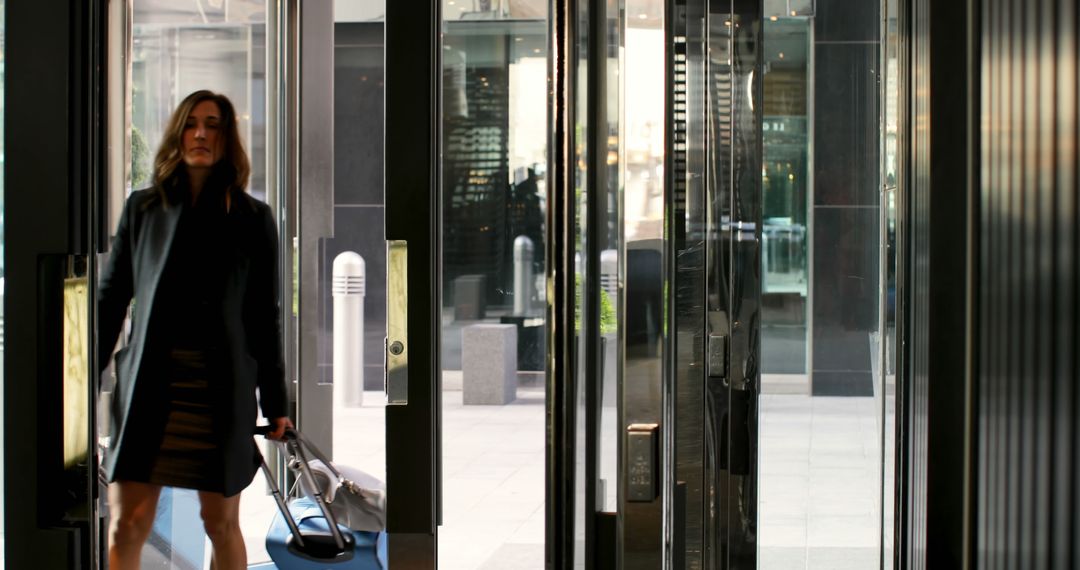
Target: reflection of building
x,y
476,171
484,209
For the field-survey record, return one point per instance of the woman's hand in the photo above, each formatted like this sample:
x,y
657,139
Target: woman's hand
x,y
280,425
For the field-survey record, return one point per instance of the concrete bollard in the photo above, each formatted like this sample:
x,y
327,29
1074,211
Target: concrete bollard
x,y
489,364
348,288
523,260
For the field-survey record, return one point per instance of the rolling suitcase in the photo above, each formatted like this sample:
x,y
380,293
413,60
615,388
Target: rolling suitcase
x,y
306,533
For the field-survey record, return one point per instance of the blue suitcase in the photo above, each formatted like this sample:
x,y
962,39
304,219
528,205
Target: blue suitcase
x,y
368,549
302,535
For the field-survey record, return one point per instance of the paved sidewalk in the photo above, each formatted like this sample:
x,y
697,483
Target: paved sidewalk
x,y
820,481
493,470
820,494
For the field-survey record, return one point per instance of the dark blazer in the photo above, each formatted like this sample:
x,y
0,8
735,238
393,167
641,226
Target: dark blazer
x,y
252,323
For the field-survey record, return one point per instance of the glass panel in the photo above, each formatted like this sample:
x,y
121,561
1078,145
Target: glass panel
x,y
3,12
171,57
823,293
785,188
610,242
495,9
352,288
645,286
494,152
583,277
891,184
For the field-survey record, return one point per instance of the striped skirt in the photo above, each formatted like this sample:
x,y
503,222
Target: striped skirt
x,y
189,456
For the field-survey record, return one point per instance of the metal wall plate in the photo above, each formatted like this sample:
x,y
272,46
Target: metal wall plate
x,y
642,452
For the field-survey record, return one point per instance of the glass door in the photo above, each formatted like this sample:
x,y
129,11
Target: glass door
x,y
314,83
360,216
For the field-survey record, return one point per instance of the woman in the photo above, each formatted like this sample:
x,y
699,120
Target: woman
x,y
199,258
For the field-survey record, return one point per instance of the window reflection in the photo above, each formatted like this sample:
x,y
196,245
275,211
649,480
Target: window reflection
x,y
642,131
824,241
785,188
891,183
495,9
174,54
494,184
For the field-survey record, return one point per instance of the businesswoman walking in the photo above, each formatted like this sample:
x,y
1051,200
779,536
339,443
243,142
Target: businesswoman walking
x,y
198,256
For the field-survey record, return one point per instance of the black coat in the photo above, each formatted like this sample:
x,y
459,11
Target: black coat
x,y
252,333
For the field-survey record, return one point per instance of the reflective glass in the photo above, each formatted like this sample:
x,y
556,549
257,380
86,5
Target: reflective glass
x,y
180,48
494,157
785,200
610,242
891,184
495,9
824,293
352,291
3,11
583,131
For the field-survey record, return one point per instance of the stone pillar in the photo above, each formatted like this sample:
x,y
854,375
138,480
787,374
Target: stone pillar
x,y
845,196
489,364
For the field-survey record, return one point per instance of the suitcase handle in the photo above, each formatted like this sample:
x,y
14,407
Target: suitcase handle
x,y
294,444
264,430
282,507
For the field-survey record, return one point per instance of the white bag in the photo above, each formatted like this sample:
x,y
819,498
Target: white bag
x,y
357,499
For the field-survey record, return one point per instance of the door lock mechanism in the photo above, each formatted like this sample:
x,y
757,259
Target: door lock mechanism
x,y
397,322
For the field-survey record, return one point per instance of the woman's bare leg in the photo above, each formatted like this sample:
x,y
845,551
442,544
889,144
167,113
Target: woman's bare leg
x,y
132,506
221,519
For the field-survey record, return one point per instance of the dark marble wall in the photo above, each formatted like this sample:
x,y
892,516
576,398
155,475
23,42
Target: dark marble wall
x,y
845,206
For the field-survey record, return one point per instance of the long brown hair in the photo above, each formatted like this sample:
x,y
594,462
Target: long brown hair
x,y
232,170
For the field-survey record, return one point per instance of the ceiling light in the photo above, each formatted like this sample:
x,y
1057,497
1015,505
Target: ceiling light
x,y
643,16
773,18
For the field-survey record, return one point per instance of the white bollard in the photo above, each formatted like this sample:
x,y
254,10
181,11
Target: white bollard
x,y
348,289
523,260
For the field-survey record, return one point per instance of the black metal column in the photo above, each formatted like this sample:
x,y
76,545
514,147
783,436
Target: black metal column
x,y
53,105
413,84
561,405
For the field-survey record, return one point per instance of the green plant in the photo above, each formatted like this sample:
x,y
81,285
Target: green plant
x,y
608,318
140,152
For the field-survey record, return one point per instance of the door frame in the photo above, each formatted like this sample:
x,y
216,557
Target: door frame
x,y
412,64
54,179
413,68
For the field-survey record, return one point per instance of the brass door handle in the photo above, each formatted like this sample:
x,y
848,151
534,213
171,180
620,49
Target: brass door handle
x,y
397,322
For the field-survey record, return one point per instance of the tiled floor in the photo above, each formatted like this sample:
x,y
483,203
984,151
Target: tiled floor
x,y
493,469
820,488
820,483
